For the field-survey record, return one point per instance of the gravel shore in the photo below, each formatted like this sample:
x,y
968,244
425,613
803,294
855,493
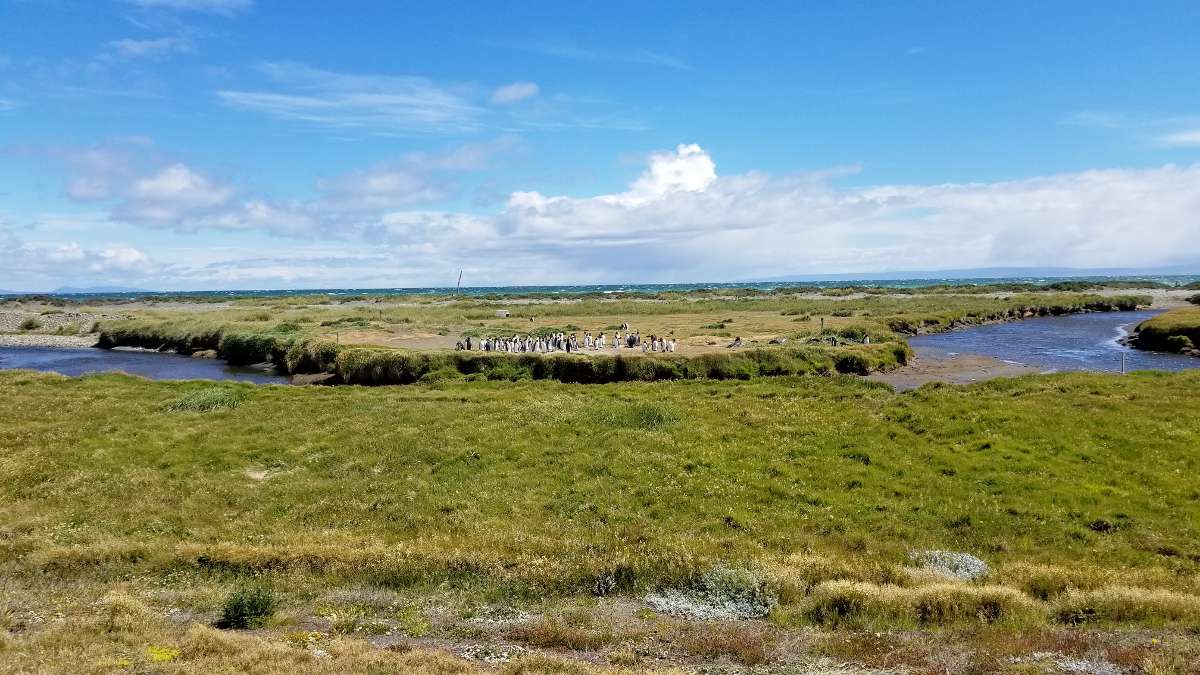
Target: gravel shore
x,y
36,340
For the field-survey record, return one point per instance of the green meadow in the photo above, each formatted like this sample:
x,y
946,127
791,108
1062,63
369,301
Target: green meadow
x,y
379,525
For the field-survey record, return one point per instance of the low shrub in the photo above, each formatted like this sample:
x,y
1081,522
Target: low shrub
x,y
248,607
30,324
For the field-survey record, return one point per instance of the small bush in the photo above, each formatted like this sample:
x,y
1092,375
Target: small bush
x,y
30,324
212,398
248,607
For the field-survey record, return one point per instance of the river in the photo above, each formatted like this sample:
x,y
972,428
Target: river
x,y
153,365
1072,342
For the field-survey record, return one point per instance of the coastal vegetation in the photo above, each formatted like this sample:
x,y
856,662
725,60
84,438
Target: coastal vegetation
x,y
402,340
698,520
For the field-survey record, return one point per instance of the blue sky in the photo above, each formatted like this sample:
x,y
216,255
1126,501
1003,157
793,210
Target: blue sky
x,y
187,144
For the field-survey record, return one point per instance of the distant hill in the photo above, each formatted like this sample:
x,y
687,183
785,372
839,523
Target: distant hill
x,y
63,290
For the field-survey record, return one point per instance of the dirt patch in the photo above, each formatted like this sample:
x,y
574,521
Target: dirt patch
x,y
930,366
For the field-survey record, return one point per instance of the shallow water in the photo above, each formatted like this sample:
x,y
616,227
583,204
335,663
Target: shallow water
x,y
1072,342
153,365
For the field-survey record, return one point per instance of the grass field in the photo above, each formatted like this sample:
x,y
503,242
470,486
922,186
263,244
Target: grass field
x,y
427,517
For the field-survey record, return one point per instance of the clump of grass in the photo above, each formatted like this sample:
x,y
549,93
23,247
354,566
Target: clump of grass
x,y
637,415
854,603
748,645
1122,604
30,324
209,399
248,607
562,633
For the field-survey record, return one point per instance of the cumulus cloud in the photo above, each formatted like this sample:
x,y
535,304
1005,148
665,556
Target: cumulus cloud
x,y
681,220
515,92
172,194
41,266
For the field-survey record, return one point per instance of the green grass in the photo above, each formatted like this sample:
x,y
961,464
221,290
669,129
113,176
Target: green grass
x,y
476,480
369,510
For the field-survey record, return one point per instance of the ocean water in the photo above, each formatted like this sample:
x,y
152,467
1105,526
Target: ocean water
x,y
611,289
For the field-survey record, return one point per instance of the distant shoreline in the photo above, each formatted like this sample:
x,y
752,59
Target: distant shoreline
x,y
613,289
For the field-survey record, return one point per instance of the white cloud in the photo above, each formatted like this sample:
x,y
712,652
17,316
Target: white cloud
x,y
221,7
1182,139
680,220
515,92
375,102
150,48
7,104
121,258
172,194
40,266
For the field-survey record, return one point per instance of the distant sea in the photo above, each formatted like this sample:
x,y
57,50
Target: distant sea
x,y
609,289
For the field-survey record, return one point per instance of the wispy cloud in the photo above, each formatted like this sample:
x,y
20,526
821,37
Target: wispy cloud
x,y
152,48
398,104
219,7
1096,119
643,57
409,105
7,104
515,92
1181,139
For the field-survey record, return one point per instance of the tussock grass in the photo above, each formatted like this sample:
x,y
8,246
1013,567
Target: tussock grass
x,y
1121,604
856,603
209,399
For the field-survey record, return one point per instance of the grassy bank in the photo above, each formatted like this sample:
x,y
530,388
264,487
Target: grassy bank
x,y
1177,330
357,343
